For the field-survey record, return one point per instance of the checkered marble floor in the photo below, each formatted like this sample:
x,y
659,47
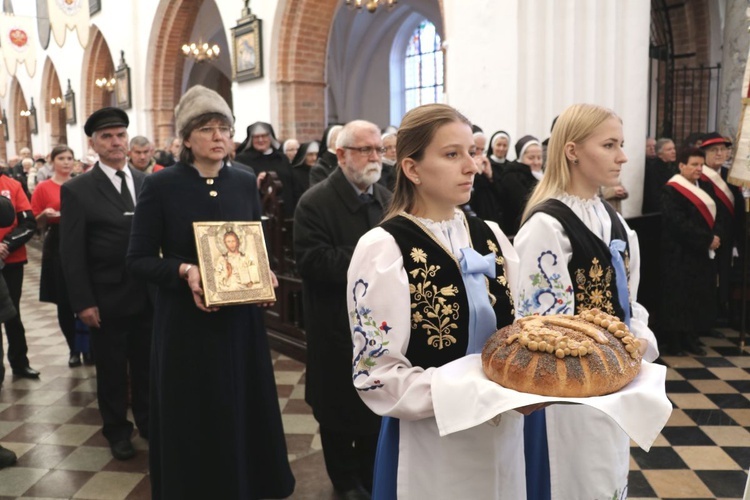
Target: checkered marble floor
x,y
54,427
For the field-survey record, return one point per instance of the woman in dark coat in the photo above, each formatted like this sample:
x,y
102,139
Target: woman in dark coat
x,y
216,428
518,179
301,165
262,151
688,248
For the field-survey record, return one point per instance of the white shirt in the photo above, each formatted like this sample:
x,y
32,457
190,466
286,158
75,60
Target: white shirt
x,y
116,181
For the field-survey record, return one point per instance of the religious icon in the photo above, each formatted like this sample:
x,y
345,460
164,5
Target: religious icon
x,y
248,51
233,263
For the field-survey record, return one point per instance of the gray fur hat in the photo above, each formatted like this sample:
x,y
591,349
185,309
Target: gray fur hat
x,y
199,100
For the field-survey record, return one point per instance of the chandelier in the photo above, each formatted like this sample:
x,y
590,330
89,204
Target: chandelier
x,y
201,51
371,5
57,102
107,84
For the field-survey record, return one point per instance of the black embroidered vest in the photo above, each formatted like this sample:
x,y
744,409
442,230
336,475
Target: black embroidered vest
x,y
590,268
439,305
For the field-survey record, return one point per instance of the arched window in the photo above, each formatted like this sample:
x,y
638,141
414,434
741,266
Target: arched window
x,y
423,67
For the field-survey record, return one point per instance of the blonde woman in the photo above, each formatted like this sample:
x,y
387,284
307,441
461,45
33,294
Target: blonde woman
x,y
577,253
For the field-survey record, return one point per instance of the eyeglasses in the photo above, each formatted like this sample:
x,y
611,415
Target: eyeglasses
x,y
210,131
367,150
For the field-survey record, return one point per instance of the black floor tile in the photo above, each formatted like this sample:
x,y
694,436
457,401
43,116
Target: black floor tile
x,y
740,454
715,362
660,457
729,400
679,386
710,417
686,436
740,385
696,373
724,483
730,351
638,485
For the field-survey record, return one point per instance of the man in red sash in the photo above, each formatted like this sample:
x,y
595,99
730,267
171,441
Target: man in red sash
x,y
689,245
731,211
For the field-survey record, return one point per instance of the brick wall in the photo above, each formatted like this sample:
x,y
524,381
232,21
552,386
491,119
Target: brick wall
x,y
22,137
97,59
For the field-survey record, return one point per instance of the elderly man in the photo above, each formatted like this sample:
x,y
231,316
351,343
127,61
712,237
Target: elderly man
x,y
141,155
658,171
329,220
650,148
97,213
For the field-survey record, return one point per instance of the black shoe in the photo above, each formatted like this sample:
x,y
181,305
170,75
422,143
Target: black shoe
x,y
123,450
7,457
74,360
717,334
358,493
696,350
88,358
26,372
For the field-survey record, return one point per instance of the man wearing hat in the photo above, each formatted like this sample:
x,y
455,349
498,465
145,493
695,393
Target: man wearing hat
x,y
96,216
730,209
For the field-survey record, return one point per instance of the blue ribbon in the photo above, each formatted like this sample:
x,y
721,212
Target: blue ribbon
x,y
616,247
482,319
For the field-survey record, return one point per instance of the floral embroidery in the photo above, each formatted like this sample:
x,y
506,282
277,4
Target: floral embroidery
x,y
502,279
549,289
372,337
595,291
434,311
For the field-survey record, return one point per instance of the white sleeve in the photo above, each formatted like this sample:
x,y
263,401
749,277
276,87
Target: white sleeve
x,y
544,283
379,305
639,319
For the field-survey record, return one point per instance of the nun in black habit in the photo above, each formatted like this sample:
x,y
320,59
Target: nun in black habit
x,y
302,162
215,429
262,151
518,179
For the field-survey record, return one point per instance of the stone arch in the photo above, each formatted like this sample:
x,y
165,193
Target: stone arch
x,y
97,63
54,113
170,73
21,128
300,54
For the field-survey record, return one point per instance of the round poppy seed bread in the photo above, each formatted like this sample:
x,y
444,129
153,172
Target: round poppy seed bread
x,y
590,354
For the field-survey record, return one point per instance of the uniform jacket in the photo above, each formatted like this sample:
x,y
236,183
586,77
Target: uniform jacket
x,y
94,234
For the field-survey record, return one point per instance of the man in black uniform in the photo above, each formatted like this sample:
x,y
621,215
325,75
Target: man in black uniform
x,y
96,217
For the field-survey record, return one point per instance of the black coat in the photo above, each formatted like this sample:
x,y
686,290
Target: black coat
x,y
326,164
95,229
274,162
517,183
215,429
7,310
688,274
732,229
656,174
329,221
486,200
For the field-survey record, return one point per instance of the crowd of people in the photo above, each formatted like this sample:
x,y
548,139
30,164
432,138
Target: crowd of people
x,y
413,244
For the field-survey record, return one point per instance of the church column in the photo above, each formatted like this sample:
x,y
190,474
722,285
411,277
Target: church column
x,y
734,57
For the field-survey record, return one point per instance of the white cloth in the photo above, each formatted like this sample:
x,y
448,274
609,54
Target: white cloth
x,y
484,461
583,441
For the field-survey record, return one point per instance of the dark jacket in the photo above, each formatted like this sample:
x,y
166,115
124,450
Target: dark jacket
x,y
655,176
7,216
326,164
329,221
95,228
274,162
517,183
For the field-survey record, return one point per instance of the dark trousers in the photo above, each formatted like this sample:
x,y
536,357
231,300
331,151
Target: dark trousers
x,y
122,346
350,458
14,330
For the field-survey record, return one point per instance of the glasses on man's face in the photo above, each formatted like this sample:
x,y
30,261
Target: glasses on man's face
x,y
367,150
223,131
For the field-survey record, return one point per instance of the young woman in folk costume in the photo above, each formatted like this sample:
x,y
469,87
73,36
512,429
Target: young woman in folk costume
x,y
426,288
577,253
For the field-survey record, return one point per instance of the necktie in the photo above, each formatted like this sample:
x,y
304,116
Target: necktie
x,y
127,198
374,211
